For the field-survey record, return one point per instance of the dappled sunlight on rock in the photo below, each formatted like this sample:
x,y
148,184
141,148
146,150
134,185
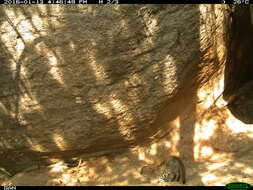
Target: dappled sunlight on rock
x,y
117,104
103,109
225,169
207,178
66,178
221,157
35,145
142,156
53,62
212,179
169,77
168,144
206,152
97,69
26,29
216,124
58,167
59,141
153,149
248,170
206,99
237,126
204,130
215,166
55,72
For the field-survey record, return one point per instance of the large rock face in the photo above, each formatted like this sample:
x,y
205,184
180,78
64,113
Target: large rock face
x,y
89,78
